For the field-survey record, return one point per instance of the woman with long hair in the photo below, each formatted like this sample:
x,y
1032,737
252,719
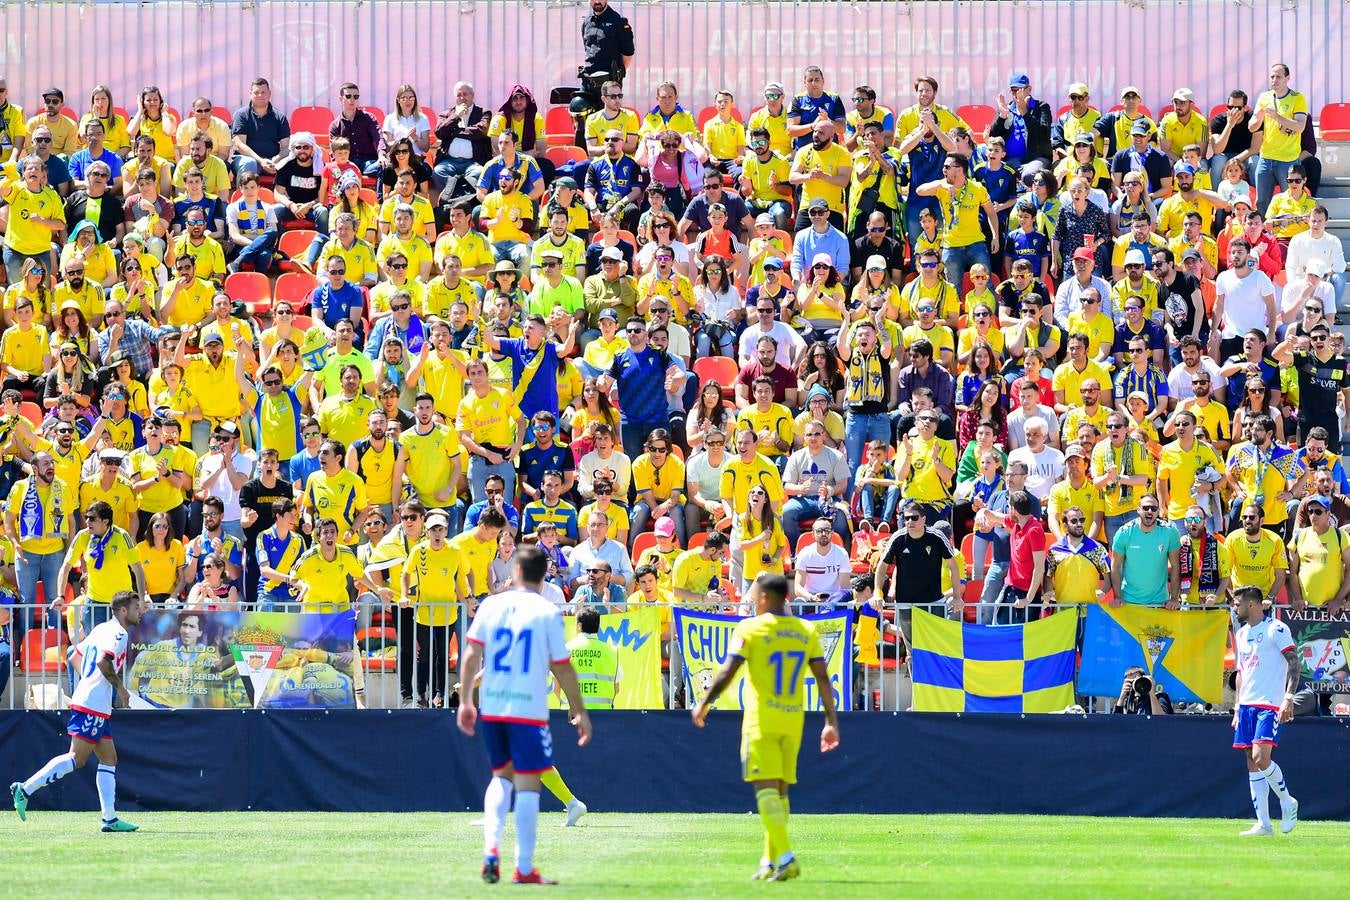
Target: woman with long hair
x,y
503,281
1133,199
986,407
820,365
984,367
72,327
402,155
162,556
820,301
71,374
664,234
34,286
115,135
213,591
1256,402
136,292
406,120
709,413
1044,196
154,120
673,164
874,286
1080,221
595,410
1084,153
606,237
719,303
123,373
365,226
758,535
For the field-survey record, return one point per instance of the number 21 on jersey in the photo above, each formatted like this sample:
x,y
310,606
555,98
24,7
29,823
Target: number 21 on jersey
x,y
507,640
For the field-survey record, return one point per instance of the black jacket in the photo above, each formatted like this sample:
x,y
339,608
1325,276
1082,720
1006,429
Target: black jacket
x,y
1039,118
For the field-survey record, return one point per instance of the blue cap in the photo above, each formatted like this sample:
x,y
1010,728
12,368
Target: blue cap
x,y
1019,80
1183,168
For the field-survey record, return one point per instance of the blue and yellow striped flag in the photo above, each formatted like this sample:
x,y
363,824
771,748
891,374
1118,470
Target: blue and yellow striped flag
x,y
960,667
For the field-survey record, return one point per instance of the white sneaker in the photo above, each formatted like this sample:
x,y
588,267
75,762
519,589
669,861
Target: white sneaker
x,y
1289,816
575,810
1258,830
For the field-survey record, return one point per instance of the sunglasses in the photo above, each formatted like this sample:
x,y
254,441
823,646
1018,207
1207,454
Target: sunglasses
x,y
818,213
42,140
928,265
410,517
912,518
633,330
400,307
1295,180
395,266
1074,521
271,382
1144,509
1194,520
613,140
1317,510
766,310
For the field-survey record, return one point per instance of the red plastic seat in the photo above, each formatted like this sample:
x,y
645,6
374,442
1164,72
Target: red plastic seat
x,y
558,126
1335,122
979,117
32,412
294,244
302,323
314,119
36,643
642,542
223,114
722,369
807,539
560,154
295,288
378,114
709,112
264,194
249,287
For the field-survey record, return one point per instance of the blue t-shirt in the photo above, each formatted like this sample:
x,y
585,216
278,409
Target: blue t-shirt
x,y
476,512
1001,183
1143,579
534,461
209,205
302,466
807,109
924,163
642,386
81,160
1032,246
612,180
541,394
334,306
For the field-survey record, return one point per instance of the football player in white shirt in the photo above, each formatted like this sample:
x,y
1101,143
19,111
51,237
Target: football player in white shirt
x,y
1267,676
104,656
519,636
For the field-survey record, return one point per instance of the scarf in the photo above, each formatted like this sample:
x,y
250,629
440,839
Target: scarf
x,y
1126,491
32,520
98,547
1209,563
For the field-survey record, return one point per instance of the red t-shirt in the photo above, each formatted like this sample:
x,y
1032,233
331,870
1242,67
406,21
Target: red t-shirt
x,y
1023,541
1045,384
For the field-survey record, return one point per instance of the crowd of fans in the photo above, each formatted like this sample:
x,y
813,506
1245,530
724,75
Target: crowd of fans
x,y
834,337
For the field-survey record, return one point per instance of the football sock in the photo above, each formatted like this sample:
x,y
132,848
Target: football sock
x,y
787,814
1275,778
106,779
496,804
770,804
553,780
1260,788
527,822
57,767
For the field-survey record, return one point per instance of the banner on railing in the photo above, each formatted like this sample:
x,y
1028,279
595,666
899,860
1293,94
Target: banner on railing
x,y
965,667
705,638
636,637
1323,641
1181,650
199,659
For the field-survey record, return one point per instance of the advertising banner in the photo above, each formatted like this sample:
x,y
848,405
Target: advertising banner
x,y
636,637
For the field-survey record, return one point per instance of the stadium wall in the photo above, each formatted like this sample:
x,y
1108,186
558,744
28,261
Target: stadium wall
x,y
308,48
417,760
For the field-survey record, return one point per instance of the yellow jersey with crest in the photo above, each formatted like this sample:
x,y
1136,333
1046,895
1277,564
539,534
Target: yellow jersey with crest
x,y
777,651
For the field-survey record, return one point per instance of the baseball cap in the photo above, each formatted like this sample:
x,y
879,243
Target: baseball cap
x,y
1317,266
1083,253
1183,168
819,203
1141,127
111,454
1075,450
655,187
664,527
774,86
227,429
551,254
1319,500
1140,394
764,219
876,263
1019,80
773,262
1243,199
1135,258
1083,138
611,253
54,92
1190,253
609,313
1130,89
436,517
1078,88
212,337
822,259
1183,94
566,182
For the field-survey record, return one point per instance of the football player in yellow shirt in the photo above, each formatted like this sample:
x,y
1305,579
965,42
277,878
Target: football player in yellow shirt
x,y
776,648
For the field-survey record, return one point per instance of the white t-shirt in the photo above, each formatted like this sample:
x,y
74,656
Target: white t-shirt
x,y
406,126
1044,469
94,693
1260,658
789,342
521,634
1179,381
243,462
1244,305
818,573
702,472
1017,419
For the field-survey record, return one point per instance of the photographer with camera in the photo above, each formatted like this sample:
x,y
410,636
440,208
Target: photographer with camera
x,y
607,41
1139,696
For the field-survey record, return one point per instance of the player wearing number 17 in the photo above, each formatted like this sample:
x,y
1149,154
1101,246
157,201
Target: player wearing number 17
x,y
775,647
517,638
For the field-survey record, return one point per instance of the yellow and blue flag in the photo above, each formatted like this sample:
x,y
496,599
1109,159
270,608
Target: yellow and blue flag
x,y
962,667
1181,650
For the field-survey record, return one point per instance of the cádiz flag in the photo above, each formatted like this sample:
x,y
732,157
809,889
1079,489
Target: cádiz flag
x,y
961,667
1181,650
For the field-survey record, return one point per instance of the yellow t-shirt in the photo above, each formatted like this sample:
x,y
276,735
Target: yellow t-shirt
x,y
423,214
115,137
764,176
616,515
512,209
65,137
940,336
476,557
779,140
359,257
106,562
160,496
832,160
490,419
1278,143
214,386
777,420
1101,332
1244,463
682,122
218,131
738,477
961,214
498,125
193,303
1070,380
1284,204
437,580
26,237
1178,467
339,497
215,175
925,484
1172,214
383,294
1064,495
345,420
691,572
442,379
415,248
430,457
326,580
1215,419
119,497
965,341
908,120
210,257
748,527
1122,498
597,125
776,650
1319,563
661,482
1254,562
472,249
439,297
161,566
724,140
1179,134
23,350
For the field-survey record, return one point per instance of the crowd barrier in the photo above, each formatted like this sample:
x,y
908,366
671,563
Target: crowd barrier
x,y
653,761
380,657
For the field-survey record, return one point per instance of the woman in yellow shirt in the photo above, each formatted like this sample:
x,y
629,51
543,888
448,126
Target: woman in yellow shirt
x,y
154,120
759,536
100,266
138,401
876,282
34,286
163,558
820,299
595,410
136,292
24,350
115,136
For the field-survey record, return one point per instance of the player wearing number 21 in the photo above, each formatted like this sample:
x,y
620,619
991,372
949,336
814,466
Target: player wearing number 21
x,y
517,639
776,648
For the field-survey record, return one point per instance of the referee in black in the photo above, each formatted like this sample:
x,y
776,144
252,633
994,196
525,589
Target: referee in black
x,y
918,554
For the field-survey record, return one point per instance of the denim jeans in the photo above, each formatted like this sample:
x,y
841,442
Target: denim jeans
x,y
1115,523
994,579
1270,172
890,501
726,343
241,164
94,614
634,437
4,665
34,568
859,428
14,263
480,469
808,507
515,251
958,260
781,211
641,516
260,251
443,171
318,216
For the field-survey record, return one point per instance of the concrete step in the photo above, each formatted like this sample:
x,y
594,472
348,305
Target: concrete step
x,y
1338,207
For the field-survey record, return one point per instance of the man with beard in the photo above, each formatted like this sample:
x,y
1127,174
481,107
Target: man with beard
x,y
1077,567
297,186
1179,471
1322,376
1145,560
822,169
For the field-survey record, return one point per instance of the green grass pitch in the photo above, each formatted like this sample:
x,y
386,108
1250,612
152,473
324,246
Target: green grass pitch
x,y
429,854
